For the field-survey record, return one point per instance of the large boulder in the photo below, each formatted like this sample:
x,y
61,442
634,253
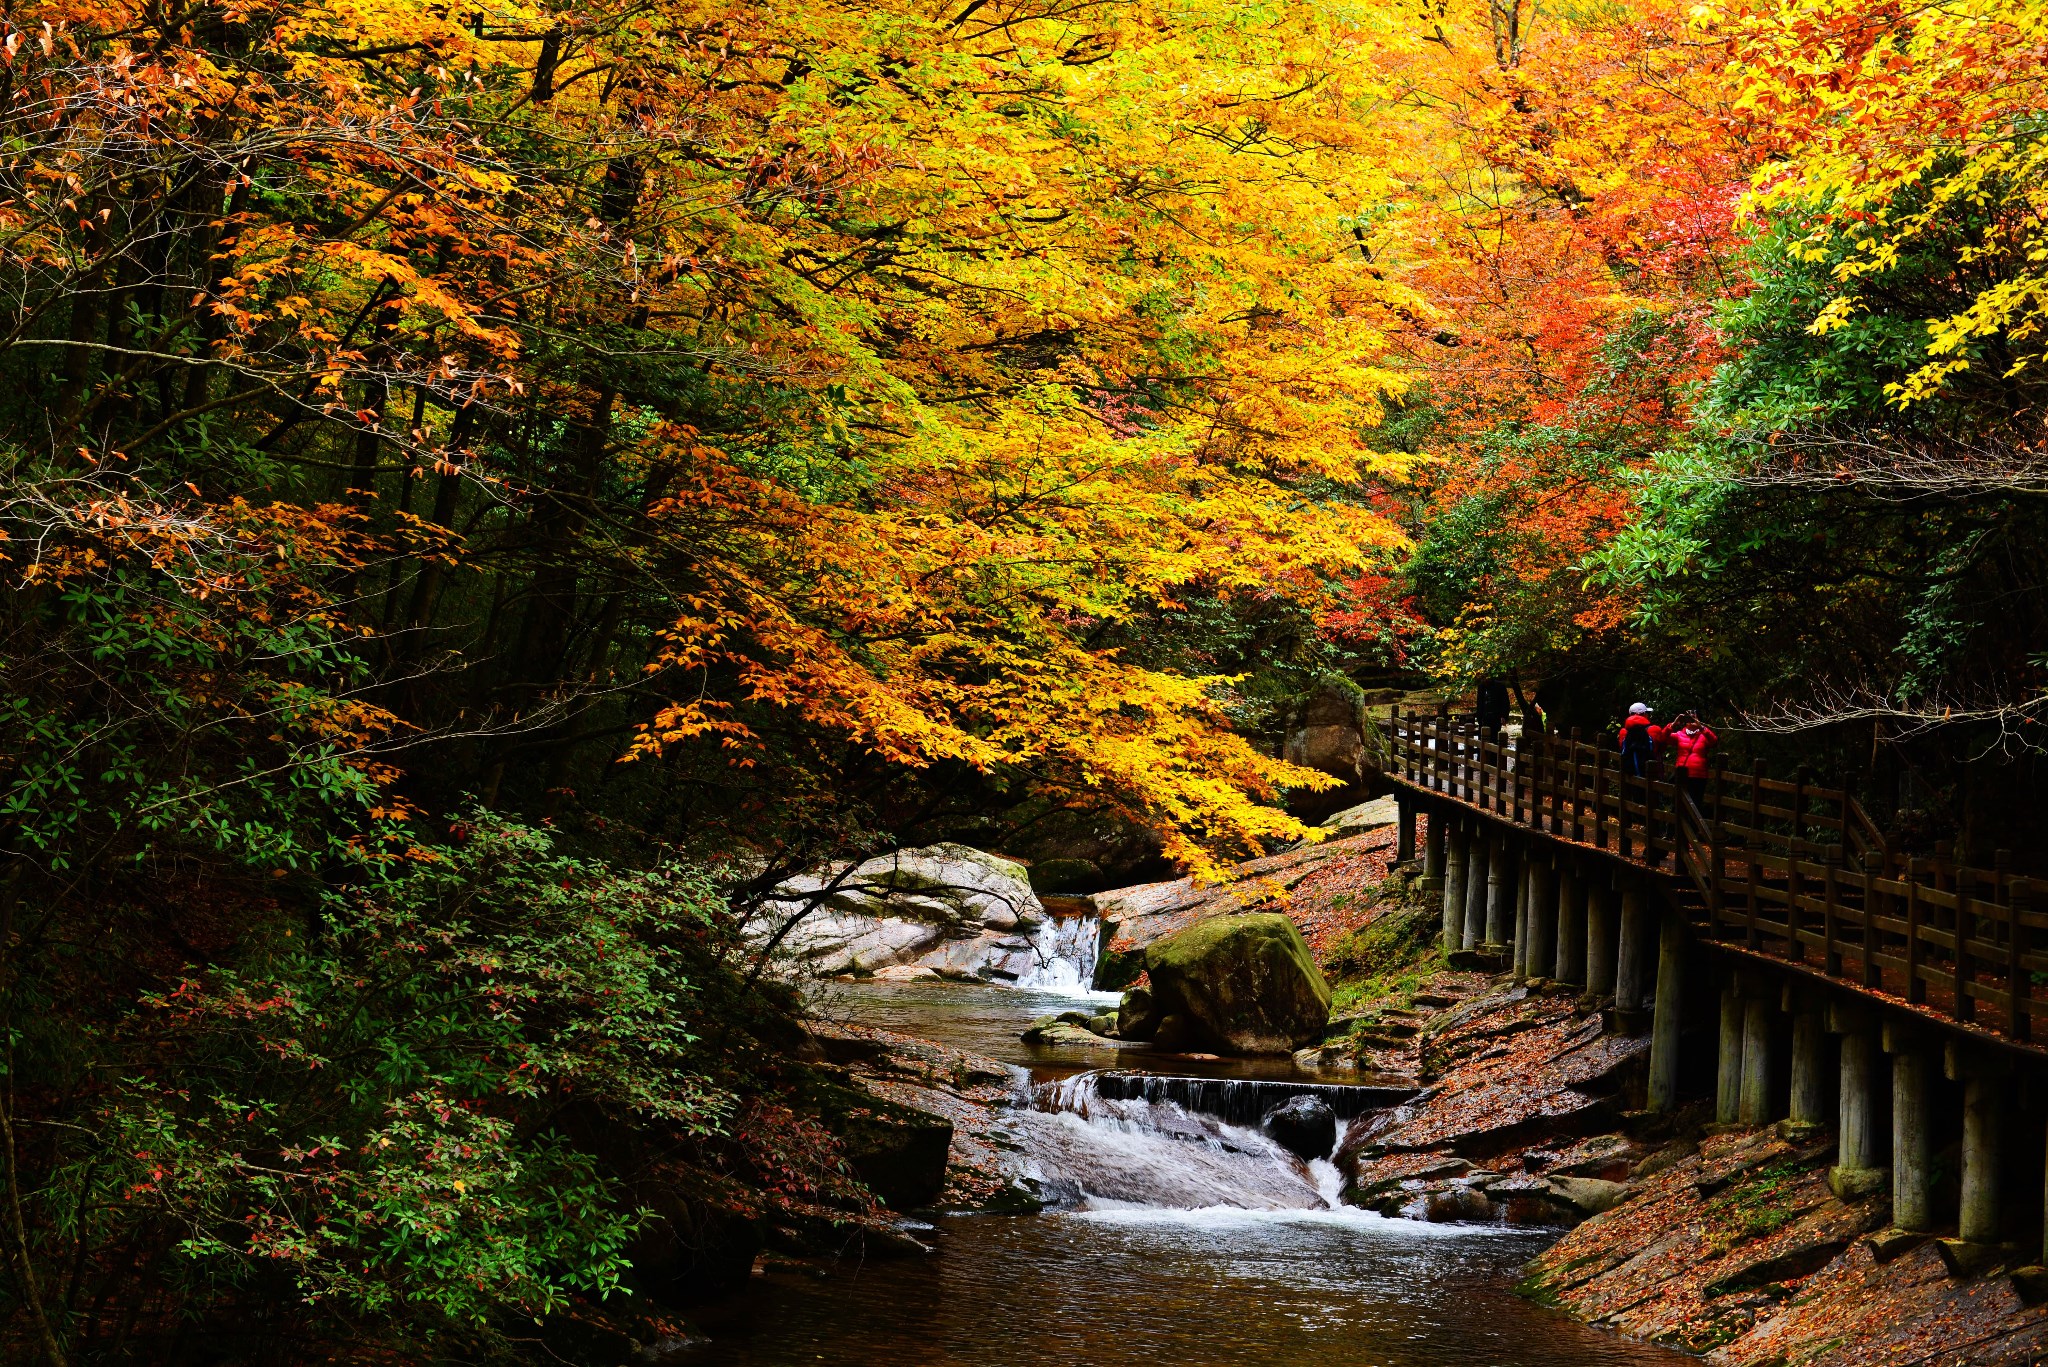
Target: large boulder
x,y
1305,1126
899,1151
958,912
1240,984
948,885
1326,734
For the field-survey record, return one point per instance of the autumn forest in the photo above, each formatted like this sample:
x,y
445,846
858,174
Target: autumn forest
x,y
492,491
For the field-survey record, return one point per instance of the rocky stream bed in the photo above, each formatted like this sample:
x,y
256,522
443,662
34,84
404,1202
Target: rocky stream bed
x,y
1454,1169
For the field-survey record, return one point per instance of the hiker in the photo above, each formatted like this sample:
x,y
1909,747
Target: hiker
x,y
1535,720
1493,705
1691,741
1639,738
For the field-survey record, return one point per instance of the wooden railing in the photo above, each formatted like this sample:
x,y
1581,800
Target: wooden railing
x,y
1793,870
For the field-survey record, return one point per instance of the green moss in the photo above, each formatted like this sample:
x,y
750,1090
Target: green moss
x,y
1389,948
1537,1288
1760,1204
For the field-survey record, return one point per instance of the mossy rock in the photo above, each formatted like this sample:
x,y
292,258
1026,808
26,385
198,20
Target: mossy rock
x,y
1117,969
1241,984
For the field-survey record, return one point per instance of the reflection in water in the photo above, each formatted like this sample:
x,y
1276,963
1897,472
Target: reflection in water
x,y
1209,1288
987,1021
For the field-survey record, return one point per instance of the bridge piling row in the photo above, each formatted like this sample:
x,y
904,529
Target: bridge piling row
x,y
1933,1086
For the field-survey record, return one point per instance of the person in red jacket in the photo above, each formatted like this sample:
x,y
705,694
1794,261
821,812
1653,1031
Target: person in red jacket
x,y
1639,738
1691,742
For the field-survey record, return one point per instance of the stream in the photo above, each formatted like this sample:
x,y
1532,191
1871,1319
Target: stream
x,y
1175,1236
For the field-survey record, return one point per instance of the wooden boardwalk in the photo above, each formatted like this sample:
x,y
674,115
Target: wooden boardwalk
x,y
1787,872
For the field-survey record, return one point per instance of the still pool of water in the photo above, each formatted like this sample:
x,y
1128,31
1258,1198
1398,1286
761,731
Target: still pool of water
x,y
987,1021
1211,1288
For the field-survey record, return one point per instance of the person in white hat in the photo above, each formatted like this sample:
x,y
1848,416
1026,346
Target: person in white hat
x,y
1639,738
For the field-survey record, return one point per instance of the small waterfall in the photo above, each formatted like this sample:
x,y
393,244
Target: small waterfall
x,y
1234,1101
1063,951
1125,1141
1090,1152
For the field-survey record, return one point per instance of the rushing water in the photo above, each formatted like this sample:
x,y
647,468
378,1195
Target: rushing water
x,y
1176,1236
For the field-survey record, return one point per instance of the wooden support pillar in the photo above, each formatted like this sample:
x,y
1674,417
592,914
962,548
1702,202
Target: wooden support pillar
x,y
1978,1221
1542,915
1728,1075
1476,874
1500,893
1433,851
1912,1131
1404,828
1571,924
1600,937
1980,1215
1665,1026
1809,1103
1524,870
1756,1061
1636,956
1862,1134
1459,840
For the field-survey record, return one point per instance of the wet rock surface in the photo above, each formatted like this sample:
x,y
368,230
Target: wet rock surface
x,y
982,1166
942,911
1739,1250
1240,985
1304,1125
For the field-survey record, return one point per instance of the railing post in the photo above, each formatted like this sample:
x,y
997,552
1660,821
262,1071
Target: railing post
x,y
1577,824
2019,1022
1621,785
1717,874
1440,759
1916,989
1756,800
1795,886
1600,797
1517,773
1831,954
1965,1008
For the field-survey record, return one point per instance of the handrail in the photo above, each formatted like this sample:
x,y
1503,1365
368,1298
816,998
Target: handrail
x,y
1755,855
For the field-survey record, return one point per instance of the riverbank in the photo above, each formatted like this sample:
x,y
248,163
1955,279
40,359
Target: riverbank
x,y
1719,1241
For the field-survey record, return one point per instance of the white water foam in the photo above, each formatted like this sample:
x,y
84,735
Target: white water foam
x,y
1132,1161
1063,953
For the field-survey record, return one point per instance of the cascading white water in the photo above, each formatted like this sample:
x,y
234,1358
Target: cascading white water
x,y
1094,1152
1063,952
1139,1154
